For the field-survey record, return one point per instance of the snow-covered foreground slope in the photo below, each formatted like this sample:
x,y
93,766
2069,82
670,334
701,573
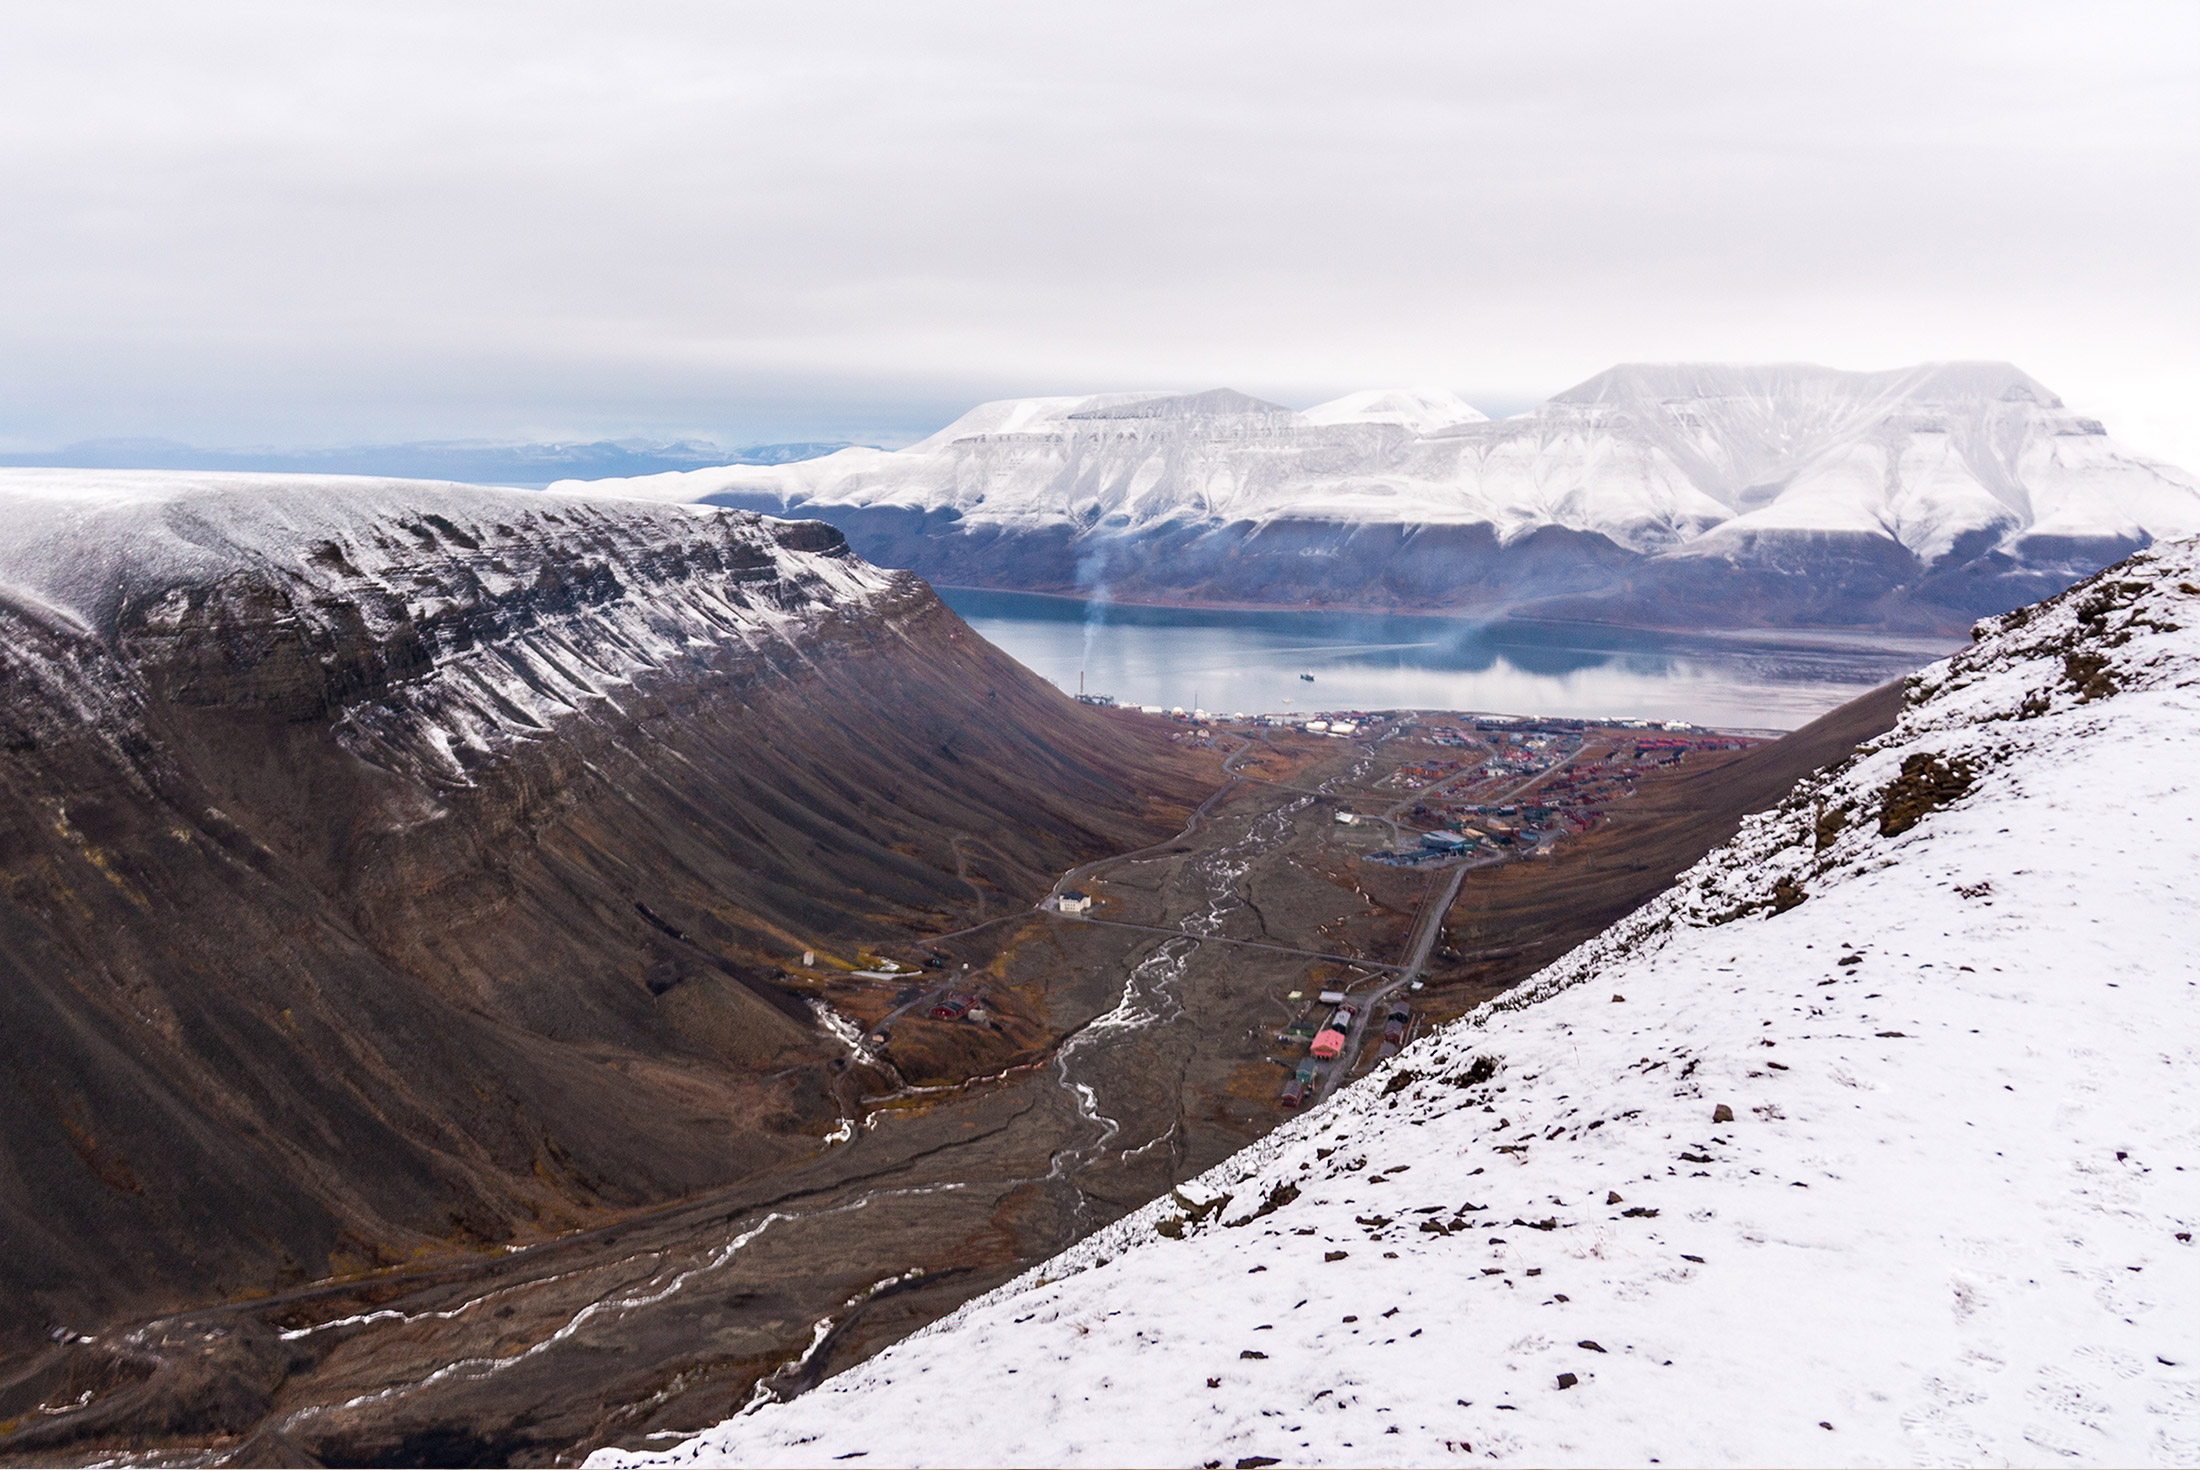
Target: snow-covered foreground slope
x,y
1967,486
1876,1139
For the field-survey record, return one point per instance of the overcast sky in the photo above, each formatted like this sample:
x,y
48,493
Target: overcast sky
x,y
308,224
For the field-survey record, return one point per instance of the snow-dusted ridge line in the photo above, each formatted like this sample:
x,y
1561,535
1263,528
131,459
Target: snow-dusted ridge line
x,y
1875,1138
1422,410
435,624
1944,459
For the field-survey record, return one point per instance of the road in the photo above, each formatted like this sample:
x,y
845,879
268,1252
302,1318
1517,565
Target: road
x,y
1084,873
1421,941
1388,816
1311,954
1246,745
373,1369
1420,944
1509,792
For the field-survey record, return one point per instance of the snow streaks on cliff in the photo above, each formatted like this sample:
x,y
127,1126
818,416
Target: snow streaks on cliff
x,y
1873,1139
473,617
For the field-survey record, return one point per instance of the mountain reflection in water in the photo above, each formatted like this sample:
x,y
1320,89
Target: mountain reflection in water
x,y
1250,661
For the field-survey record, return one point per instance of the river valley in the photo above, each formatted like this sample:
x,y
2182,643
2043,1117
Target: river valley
x,y
1122,1051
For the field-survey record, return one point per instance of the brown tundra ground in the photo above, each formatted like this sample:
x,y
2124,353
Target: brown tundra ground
x,y
1114,1055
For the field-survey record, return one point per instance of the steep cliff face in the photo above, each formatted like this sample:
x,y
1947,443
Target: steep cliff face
x,y
1662,494
387,867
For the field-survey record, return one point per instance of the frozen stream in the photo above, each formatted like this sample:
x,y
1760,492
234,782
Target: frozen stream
x,y
1149,995
1083,1067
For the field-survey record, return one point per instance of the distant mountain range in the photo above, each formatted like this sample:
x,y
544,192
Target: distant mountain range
x,y
526,465
1664,495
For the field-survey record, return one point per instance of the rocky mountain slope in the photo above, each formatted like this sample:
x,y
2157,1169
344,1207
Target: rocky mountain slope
x,y
389,869
1872,1140
1662,495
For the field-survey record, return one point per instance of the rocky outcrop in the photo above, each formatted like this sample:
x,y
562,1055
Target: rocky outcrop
x,y
392,868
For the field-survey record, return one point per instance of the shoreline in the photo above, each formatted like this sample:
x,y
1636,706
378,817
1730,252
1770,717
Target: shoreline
x,y
1815,640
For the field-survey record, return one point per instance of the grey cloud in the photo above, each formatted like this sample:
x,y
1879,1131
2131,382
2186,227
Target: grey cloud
x,y
275,221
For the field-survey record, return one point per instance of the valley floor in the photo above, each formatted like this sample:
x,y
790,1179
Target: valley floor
x,y
1872,1141
1119,1055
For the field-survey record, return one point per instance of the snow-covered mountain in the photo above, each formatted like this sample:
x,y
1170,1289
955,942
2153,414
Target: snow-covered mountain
x,y
1873,1140
1769,494
1423,410
542,608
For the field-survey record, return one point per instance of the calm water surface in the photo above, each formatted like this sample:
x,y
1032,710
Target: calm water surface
x,y
1251,662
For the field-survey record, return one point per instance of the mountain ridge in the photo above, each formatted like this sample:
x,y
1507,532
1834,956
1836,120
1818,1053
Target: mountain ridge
x,y
392,870
1786,495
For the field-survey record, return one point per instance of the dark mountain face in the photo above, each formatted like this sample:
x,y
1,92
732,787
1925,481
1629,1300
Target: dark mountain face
x,y
1279,563
383,874
1829,580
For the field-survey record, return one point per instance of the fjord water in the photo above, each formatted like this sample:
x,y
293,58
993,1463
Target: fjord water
x,y
1251,661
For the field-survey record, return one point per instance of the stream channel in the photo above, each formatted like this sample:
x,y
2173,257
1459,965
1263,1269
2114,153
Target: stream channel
x,y
642,1333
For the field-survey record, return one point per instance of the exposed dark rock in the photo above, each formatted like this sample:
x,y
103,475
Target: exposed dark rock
x,y
1927,783
1277,1198
288,993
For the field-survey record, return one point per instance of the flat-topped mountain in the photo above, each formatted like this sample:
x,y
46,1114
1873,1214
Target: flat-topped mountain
x,y
1673,495
389,869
